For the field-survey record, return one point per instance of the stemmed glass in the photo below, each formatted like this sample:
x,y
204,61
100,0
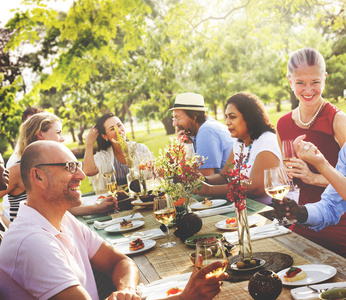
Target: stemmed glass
x,y
288,153
277,185
164,213
111,181
209,252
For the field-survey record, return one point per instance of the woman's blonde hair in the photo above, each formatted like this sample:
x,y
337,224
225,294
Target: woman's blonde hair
x,y
31,128
305,57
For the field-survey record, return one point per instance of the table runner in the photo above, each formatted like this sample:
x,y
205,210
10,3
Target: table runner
x,y
168,262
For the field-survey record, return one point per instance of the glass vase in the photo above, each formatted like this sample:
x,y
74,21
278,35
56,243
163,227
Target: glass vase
x,y
134,182
245,249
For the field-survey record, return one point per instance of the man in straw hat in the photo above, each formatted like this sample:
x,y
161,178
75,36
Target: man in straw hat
x,y
211,139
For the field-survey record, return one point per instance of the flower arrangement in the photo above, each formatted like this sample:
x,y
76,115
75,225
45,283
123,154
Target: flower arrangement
x,y
237,182
237,194
178,173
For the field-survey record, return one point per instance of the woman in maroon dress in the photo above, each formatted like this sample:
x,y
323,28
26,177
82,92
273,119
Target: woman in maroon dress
x,y
324,126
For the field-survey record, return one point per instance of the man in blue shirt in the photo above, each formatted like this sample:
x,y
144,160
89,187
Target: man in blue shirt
x,y
211,139
332,206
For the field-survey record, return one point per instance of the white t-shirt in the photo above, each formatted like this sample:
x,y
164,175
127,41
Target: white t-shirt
x,y
266,142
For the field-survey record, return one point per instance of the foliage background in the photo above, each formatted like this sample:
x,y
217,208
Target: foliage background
x,y
132,57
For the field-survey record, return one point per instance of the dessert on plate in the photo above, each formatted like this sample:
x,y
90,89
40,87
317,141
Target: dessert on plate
x,y
294,274
125,224
136,244
174,291
231,223
206,203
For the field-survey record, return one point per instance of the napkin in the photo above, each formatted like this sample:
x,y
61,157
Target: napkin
x,y
257,233
152,234
145,290
102,225
215,211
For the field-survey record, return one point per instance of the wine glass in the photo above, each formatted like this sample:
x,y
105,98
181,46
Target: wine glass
x,y
111,181
277,185
164,213
209,252
288,153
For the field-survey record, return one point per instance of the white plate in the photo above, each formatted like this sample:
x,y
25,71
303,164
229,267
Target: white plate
x,y
305,293
216,203
139,202
90,200
314,274
252,221
162,293
116,227
125,247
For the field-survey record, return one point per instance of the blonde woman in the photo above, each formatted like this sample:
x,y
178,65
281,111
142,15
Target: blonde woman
x,y
323,125
42,126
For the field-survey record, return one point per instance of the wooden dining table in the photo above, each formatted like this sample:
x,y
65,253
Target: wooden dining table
x,y
157,263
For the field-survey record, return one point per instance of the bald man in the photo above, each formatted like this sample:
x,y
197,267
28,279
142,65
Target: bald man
x,y
47,253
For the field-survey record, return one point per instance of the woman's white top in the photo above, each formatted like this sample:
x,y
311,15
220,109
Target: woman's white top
x,y
266,142
105,157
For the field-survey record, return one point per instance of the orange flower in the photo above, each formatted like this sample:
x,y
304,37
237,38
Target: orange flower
x,y
180,201
142,167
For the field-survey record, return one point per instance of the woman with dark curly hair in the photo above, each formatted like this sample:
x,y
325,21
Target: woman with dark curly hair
x,y
247,121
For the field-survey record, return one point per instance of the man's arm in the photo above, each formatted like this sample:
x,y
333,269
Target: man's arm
x,y
120,268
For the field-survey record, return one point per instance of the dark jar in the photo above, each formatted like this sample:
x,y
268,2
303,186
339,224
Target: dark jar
x,y
265,285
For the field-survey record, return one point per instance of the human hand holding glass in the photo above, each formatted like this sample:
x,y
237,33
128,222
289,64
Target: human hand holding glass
x,y
207,253
277,185
288,153
164,213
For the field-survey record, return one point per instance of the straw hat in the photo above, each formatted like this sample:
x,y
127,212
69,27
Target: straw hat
x,y
189,101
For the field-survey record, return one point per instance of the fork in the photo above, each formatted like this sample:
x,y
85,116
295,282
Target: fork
x,y
320,291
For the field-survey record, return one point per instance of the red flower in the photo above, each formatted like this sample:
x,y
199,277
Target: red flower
x,y
237,177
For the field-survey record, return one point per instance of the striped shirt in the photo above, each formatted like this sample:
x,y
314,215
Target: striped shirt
x,y
14,204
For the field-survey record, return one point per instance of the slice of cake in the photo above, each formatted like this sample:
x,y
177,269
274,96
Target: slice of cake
x,y
206,203
125,224
136,244
294,274
231,223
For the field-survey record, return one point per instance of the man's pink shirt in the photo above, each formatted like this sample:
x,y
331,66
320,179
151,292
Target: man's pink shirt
x,y
37,261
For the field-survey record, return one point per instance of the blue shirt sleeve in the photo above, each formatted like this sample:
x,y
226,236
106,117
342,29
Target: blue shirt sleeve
x,y
328,211
209,146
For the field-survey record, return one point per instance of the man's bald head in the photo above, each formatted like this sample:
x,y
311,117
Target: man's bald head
x,y
39,152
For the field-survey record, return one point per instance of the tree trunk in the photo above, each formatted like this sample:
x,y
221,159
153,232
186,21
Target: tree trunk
x,y
148,126
278,105
215,110
294,101
80,134
73,134
130,120
167,122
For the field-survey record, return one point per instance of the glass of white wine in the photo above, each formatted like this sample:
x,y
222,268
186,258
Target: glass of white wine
x,y
209,252
164,213
111,181
288,153
277,185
